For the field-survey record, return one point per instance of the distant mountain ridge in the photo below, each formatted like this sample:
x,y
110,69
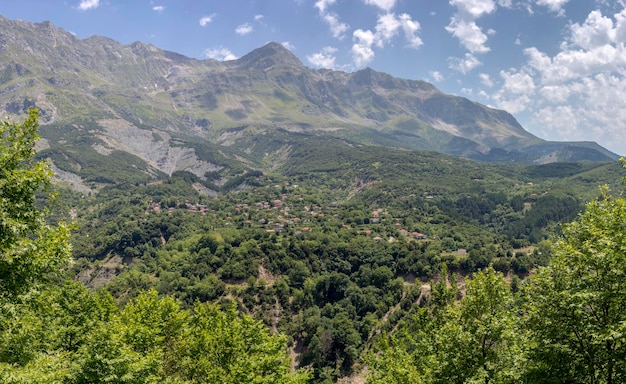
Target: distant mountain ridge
x,y
161,107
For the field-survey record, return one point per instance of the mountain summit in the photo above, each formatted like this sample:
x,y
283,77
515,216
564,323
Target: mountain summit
x,y
268,56
159,106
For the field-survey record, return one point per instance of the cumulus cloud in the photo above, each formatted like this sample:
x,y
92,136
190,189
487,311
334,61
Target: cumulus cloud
x,y
322,5
437,76
385,5
288,45
410,28
88,4
158,8
388,26
206,20
220,54
323,59
473,9
337,28
465,64
463,26
517,82
469,34
553,5
575,93
596,31
485,79
243,29
362,51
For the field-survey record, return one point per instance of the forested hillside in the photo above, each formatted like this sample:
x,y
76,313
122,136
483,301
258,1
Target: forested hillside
x,y
344,262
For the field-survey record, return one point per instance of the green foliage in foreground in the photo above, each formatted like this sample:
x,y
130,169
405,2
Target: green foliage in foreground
x,y
30,249
567,324
64,333
576,307
334,289
67,334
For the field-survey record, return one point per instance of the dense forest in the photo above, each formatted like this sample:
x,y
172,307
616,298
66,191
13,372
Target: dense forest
x,y
387,266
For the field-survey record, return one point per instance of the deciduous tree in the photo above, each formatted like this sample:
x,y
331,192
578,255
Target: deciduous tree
x,y
30,248
577,305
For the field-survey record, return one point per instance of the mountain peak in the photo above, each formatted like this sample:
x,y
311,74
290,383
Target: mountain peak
x,y
270,55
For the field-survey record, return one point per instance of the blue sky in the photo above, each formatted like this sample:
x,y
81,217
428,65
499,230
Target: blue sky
x,y
559,66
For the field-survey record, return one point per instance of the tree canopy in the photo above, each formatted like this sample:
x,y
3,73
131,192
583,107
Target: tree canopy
x,y
576,306
30,248
566,325
61,332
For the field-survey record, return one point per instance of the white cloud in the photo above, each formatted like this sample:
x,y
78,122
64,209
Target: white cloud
x,y
474,8
258,17
362,52
410,27
596,31
243,29
517,83
158,8
575,93
206,20
437,76
88,4
388,27
561,119
288,45
337,28
469,34
465,64
553,5
555,94
322,5
463,23
323,59
517,91
385,5
485,80
220,53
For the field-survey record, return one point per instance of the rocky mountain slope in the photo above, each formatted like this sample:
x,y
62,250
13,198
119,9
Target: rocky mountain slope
x,y
101,102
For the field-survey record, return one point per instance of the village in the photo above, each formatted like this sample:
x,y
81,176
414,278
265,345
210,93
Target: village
x,y
294,214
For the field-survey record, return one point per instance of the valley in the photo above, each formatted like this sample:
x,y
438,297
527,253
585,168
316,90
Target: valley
x,y
256,220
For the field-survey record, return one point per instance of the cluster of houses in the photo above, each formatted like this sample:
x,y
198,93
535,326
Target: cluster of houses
x,y
277,216
156,207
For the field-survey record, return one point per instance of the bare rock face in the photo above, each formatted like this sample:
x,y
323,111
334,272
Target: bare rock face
x,y
154,147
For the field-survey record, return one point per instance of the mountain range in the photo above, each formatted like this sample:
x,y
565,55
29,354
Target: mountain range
x,y
137,108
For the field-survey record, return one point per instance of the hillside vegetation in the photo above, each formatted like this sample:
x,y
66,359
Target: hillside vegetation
x,y
257,221
334,249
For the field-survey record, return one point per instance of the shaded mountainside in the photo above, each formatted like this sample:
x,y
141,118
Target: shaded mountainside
x,y
171,113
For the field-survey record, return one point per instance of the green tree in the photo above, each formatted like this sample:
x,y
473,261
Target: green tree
x,y
479,342
472,341
576,306
30,248
152,326
222,346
